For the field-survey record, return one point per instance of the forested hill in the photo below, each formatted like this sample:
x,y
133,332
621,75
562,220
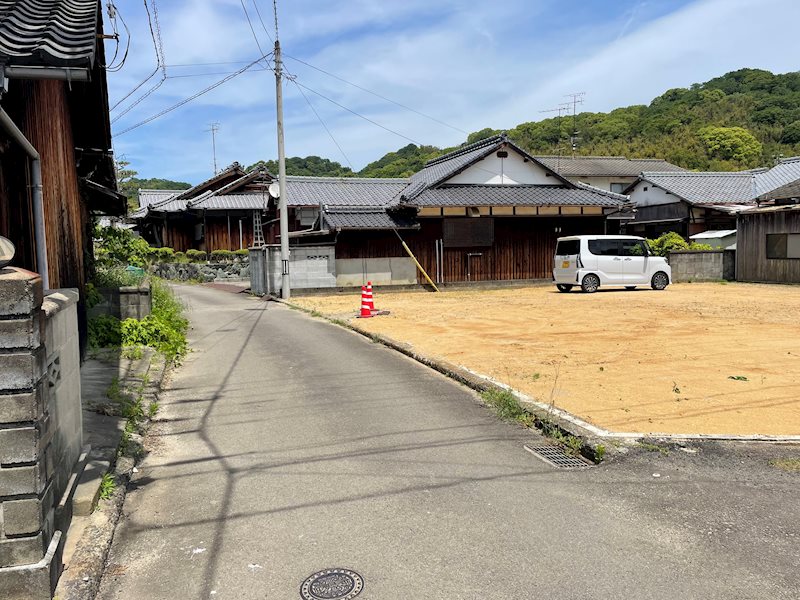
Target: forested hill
x,y
741,120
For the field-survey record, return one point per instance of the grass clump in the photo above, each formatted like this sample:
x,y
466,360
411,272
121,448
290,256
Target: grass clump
x,y
505,405
107,486
650,447
790,465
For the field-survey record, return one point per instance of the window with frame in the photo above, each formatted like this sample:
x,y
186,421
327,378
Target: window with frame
x,y
604,247
634,248
466,232
618,188
783,245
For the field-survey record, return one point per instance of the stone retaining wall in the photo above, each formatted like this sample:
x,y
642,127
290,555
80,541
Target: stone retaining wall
x,y
128,302
237,270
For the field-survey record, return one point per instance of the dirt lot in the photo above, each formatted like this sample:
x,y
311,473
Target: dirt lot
x,y
638,361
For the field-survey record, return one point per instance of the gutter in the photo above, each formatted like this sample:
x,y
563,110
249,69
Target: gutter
x,y
36,185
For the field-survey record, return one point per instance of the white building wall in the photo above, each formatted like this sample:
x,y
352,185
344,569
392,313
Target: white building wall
x,y
511,170
646,194
604,183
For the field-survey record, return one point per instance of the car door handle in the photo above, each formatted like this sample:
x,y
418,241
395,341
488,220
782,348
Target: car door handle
x,y
627,259
617,258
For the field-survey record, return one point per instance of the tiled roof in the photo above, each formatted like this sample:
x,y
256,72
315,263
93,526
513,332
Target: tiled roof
x,y
790,190
516,195
706,187
784,172
343,191
48,33
148,197
235,169
367,218
245,201
605,166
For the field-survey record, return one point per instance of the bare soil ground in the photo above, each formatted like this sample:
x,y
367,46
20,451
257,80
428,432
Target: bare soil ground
x,y
697,358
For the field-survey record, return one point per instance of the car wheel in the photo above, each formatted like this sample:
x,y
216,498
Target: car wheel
x,y
630,287
659,281
590,283
563,287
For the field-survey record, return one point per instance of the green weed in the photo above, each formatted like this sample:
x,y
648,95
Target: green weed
x,y
738,377
653,447
790,465
107,486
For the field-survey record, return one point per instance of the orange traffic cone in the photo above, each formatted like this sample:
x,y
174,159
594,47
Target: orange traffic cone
x,y
366,312
369,301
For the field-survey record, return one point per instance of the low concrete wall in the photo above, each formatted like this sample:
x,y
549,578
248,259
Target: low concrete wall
x,y
316,267
399,270
702,265
128,302
40,429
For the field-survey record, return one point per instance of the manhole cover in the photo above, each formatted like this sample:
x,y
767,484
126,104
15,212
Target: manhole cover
x,y
332,584
557,457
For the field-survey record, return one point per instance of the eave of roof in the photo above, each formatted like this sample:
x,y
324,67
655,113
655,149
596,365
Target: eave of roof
x,y
51,34
606,166
516,195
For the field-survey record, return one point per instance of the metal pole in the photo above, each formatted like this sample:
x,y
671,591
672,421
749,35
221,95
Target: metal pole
x,y
284,213
36,187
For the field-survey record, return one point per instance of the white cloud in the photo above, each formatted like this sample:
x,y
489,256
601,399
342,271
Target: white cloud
x,y
467,63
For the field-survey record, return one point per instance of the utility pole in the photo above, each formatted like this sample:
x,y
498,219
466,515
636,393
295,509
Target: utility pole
x,y
214,129
283,199
560,109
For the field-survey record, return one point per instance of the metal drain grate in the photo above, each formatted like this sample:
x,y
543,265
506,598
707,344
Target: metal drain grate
x,y
557,456
332,584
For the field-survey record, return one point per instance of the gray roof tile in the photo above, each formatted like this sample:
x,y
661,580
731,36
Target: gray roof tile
x,y
343,191
148,197
706,187
368,218
785,171
605,166
48,33
516,195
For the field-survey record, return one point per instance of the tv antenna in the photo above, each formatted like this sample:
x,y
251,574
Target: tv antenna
x,y
561,109
576,99
214,129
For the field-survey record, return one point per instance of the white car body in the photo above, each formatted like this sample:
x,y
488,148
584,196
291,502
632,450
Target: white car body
x,y
608,260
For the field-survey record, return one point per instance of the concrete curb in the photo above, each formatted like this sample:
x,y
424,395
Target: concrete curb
x,y
570,424
81,580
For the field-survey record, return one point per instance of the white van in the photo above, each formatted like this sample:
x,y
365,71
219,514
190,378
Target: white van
x,y
592,261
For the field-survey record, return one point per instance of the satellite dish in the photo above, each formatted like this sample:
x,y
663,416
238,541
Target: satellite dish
x,y
274,189
7,251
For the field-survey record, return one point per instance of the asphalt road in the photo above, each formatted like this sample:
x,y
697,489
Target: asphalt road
x,y
287,445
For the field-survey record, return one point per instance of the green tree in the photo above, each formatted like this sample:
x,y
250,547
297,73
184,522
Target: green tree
x,y
731,143
129,185
791,133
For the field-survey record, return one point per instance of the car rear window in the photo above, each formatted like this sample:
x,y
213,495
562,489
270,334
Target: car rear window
x,y
568,247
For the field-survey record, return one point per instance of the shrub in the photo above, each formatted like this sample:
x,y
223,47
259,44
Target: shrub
x,y
104,330
164,254
698,246
243,252
196,255
180,257
667,242
155,332
222,255
120,246
116,276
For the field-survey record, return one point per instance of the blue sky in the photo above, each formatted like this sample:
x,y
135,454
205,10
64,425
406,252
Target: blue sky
x,y
468,63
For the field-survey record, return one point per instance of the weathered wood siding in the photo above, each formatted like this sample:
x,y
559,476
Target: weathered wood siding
x,y
523,248
47,125
752,263
40,110
220,237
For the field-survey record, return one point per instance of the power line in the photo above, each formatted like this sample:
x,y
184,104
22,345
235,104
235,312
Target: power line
x,y
252,30
212,73
377,95
405,137
192,97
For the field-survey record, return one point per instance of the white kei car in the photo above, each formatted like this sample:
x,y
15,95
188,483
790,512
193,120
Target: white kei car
x,y
594,261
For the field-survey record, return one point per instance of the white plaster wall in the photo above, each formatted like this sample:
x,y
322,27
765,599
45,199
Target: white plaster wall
x,y
653,196
514,169
604,183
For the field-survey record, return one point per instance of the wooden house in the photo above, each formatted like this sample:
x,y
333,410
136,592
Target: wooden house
x,y
56,163
487,211
693,202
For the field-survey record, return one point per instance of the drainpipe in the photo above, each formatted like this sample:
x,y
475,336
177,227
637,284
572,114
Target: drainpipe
x,y
36,185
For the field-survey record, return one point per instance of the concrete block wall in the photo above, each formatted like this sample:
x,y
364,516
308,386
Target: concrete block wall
x,y
399,270
312,267
699,265
128,302
39,428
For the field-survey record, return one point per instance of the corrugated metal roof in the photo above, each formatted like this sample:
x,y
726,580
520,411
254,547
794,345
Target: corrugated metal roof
x,y
368,218
343,191
712,234
605,166
515,195
48,33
